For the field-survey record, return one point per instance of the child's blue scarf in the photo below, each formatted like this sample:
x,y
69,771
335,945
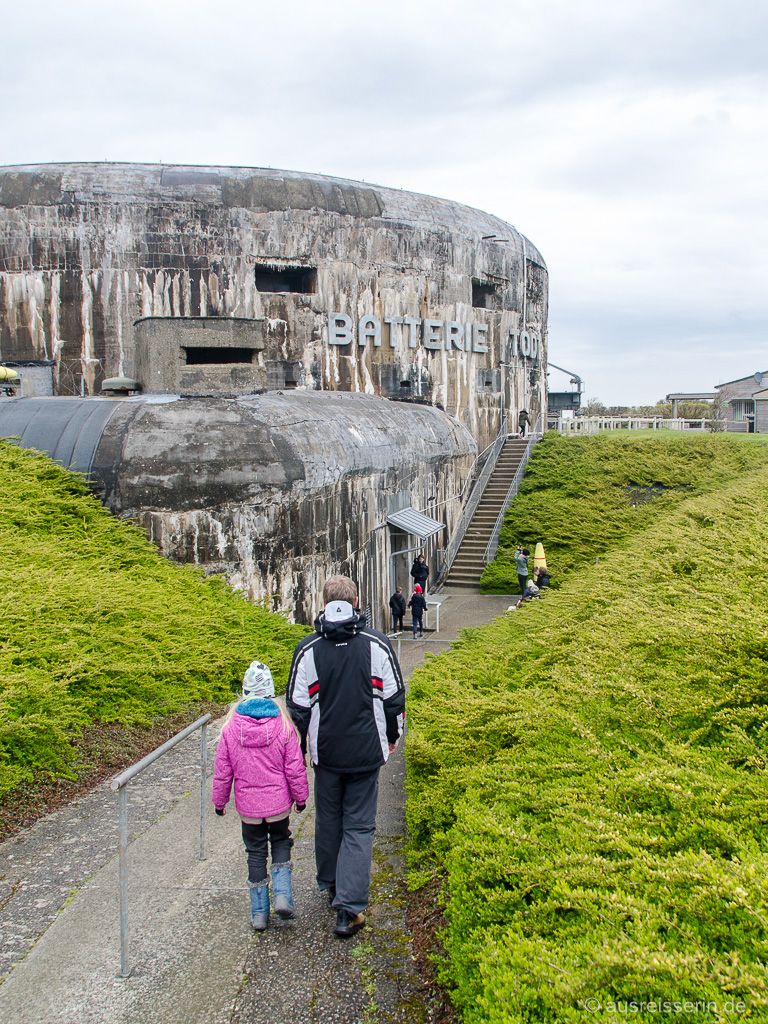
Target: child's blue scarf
x,y
258,707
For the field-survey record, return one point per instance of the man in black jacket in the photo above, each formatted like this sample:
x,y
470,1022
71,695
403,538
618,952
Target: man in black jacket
x,y
346,696
420,572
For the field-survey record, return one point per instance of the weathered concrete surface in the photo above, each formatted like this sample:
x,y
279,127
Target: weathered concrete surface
x,y
194,955
274,491
200,355
86,250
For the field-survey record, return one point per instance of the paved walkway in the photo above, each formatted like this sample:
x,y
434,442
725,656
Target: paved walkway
x,y
193,954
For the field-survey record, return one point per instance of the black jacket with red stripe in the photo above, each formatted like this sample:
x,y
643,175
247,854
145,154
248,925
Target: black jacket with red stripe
x,y
345,693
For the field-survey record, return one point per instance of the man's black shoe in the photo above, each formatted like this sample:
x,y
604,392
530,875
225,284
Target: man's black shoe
x,y
347,924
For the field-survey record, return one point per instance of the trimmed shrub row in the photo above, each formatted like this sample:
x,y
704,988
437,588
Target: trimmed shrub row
x,y
588,777
586,495
96,626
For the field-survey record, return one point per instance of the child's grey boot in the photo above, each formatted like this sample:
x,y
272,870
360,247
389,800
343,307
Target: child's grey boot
x,y
259,904
282,890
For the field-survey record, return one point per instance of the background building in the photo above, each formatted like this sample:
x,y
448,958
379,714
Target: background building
x,y
737,399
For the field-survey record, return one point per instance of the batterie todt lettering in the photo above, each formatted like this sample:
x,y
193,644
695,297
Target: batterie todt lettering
x,y
434,335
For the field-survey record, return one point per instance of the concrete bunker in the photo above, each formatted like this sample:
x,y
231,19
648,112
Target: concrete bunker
x,y
271,491
229,295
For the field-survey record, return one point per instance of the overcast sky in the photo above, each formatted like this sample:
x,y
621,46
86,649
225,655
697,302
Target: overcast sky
x,y
626,138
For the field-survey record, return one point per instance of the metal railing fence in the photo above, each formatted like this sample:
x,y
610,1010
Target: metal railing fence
x,y
596,424
474,500
120,784
493,541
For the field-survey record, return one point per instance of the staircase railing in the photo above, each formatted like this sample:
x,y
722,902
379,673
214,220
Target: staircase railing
x,y
493,543
474,500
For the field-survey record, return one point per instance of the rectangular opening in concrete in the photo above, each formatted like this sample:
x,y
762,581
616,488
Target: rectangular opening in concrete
x,y
488,380
485,295
202,356
286,279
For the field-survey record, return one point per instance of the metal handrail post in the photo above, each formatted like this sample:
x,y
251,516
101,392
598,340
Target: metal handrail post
x,y
123,883
473,501
203,772
493,541
120,784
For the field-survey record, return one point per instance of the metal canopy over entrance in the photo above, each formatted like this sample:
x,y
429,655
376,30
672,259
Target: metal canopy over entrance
x,y
415,523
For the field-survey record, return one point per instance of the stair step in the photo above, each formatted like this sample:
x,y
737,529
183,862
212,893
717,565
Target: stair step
x,y
469,563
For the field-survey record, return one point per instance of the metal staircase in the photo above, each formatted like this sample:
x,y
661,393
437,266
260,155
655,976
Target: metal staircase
x,y
470,560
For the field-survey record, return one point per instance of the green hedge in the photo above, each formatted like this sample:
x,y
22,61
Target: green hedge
x,y
583,496
589,778
96,626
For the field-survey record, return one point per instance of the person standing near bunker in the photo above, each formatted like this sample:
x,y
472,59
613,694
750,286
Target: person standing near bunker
x,y
346,696
397,607
418,606
420,572
521,563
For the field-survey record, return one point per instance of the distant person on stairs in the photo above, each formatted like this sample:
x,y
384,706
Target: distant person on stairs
x,y
523,419
397,606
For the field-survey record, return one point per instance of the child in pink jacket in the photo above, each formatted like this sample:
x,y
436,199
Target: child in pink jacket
x,y
259,751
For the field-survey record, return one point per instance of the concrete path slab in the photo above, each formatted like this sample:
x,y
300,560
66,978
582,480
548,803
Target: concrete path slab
x,y
194,955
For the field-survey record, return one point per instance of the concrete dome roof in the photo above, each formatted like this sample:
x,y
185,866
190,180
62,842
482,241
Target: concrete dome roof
x,y
258,189
168,452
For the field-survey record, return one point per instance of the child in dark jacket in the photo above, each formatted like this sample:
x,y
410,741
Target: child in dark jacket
x,y
259,751
397,605
418,606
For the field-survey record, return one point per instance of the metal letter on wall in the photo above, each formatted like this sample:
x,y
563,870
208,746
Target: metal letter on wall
x,y
393,322
479,337
413,337
369,327
454,335
529,345
431,329
339,329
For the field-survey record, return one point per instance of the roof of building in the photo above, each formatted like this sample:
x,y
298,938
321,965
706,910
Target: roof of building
x,y
699,396
260,189
743,380
415,523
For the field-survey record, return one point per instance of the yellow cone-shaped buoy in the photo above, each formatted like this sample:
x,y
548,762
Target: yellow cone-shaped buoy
x,y
6,373
539,558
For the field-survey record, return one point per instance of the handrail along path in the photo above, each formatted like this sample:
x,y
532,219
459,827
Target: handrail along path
x,y
120,785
